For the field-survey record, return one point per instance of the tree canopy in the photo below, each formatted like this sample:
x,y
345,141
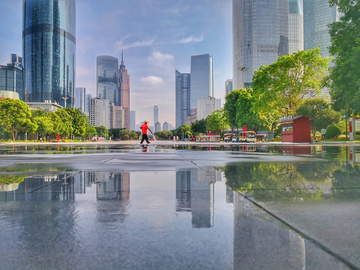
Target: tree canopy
x,y
280,88
216,122
15,116
345,38
319,110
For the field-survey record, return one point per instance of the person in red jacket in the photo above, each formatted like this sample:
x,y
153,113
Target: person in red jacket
x,y
144,128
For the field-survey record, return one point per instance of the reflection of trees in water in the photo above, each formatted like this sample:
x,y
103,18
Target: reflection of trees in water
x,y
276,181
12,179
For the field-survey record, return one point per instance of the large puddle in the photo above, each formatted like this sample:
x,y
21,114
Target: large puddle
x,y
253,215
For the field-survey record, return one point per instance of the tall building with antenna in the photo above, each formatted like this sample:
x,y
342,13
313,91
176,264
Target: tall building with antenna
x,y
124,89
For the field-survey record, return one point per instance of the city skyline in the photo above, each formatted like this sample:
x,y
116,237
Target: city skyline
x,y
152,47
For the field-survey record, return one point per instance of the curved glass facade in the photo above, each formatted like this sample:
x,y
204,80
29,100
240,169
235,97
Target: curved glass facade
x,y
49,50
107,78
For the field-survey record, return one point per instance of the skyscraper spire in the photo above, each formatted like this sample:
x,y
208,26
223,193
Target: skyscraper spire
x,y
122,58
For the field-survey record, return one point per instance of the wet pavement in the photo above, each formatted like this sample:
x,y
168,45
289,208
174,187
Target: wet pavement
x,y
180,207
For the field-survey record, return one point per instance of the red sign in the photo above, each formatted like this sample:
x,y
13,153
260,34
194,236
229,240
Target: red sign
x,y
350,126
58,137
209,133
245,128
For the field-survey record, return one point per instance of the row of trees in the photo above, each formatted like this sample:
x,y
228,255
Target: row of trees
x,y
16,118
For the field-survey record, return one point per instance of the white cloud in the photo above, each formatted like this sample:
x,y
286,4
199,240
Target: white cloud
x,y
159,57
191,39
119,45
153,80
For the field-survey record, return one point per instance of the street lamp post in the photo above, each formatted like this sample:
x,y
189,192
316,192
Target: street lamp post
x,y
65,98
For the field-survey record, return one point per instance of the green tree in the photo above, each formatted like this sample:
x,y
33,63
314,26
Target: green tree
x,y
245,115
230,108
319,110
216,122
57,124
199,126
45,125
283,86
90,130
163,135
66,123
15,116
345,38
101,131
79,121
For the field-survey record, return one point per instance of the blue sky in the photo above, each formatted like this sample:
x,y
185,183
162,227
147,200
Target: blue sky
x,y
157,37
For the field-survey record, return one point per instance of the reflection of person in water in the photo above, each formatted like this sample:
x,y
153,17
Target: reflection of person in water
x,y
145,149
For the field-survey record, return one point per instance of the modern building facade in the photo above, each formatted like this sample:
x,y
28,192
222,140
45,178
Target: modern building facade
x,y
260,36
99,112
116,116
182,97
9,94
296,30
192,117
132,120
124,88
156,114
47,106
202,78
165,126
218,104
228,86
49,48
157,127
11,76
317,15
107,79
205,107
87,104
80,98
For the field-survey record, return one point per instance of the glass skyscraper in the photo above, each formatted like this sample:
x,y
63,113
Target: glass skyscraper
x,y
228,86
80,100
156,114
49,50
182,97
202,78
124,92
260,36
11,76
317,15
296,30
107,79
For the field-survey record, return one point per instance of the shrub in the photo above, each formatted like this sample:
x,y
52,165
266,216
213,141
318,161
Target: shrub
x,y
332,131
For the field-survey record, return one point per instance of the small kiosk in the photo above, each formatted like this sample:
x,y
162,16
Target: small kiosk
x,y
296,129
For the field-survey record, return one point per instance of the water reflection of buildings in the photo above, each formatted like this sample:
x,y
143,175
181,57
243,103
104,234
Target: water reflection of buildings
x,y
195,194
62,187
262,244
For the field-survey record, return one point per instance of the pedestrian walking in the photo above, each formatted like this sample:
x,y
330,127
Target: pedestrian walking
x,y
323,133
144,128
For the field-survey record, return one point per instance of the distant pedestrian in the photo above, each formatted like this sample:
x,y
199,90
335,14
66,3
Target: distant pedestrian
x,y
323,133
144,128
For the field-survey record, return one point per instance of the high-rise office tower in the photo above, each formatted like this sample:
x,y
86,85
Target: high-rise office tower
x,y
87,103
296,36
80,98
157,127
202,78
165,126
49,50
99,114
228,86
107,78
124,87
11,76
132,120
156,114
116,116
182,97
317,15
260,36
